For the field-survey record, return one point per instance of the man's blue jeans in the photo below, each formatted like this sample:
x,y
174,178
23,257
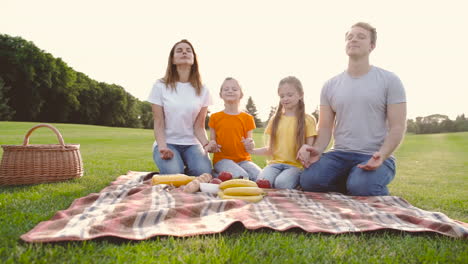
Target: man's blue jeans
x,y
337,171
188,159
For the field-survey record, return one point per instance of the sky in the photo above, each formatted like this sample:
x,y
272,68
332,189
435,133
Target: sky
x,y
424,42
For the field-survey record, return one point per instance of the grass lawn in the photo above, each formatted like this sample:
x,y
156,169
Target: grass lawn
x,y
432,174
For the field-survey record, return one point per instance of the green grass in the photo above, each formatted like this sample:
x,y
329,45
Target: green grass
x,y
432,174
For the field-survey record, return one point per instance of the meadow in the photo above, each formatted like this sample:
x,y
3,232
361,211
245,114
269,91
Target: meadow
x,y
432,174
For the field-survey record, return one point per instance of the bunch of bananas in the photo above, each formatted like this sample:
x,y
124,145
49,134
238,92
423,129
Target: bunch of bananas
x,y
241,189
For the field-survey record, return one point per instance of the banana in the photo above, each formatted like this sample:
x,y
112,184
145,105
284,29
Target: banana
x,y
237,183
172,179
247,198
243,191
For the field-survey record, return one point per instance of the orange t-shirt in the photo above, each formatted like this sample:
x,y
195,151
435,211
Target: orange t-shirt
x,y
230,129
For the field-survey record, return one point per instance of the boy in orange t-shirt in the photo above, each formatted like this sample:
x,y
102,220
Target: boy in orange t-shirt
x,y
228,129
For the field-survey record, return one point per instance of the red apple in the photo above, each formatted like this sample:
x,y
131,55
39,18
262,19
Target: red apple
x,y
263,183
224,176
216,181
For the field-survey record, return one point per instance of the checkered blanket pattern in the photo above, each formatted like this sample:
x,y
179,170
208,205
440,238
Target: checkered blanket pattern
x,y
131,208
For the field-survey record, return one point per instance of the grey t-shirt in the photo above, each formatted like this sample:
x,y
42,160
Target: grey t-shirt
x,y
360,106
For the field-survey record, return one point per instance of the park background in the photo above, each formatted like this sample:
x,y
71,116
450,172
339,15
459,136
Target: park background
x,y
94,62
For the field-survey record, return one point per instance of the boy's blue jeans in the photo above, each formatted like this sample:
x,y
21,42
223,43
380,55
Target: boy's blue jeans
x,y
337,171
188,159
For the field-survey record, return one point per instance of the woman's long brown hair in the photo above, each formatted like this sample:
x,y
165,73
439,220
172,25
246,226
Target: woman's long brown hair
x,y
300,114
172,76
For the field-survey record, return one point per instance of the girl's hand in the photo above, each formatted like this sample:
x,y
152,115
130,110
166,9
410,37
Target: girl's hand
x,y
303,155
165,153
249,144
315,155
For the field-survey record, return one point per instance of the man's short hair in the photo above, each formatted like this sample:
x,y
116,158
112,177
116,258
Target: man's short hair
x,y
371,29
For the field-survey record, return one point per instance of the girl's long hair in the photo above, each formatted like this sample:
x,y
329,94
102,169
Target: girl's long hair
x,y
300,115
172,76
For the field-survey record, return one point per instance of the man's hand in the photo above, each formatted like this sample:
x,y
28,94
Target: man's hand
x,y
373,163
166,153
313,156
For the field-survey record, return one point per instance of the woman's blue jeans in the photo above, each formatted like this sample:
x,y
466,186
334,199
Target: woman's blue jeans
x,y
188,159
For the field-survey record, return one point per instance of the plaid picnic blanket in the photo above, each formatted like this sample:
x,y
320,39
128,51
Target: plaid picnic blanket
x,y
132,208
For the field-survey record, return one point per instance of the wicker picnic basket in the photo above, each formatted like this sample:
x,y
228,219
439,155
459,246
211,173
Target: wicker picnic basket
x,y
31,164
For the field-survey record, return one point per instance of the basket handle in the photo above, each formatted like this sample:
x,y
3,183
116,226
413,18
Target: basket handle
x,y
59,136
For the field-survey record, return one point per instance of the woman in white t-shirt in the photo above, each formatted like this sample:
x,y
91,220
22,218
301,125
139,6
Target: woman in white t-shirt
x,y
180,104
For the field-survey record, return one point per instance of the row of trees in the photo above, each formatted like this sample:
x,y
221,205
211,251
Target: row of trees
x,y
437,123
35,86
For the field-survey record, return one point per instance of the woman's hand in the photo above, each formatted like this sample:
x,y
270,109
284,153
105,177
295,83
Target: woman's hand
x,y
165,153
212,147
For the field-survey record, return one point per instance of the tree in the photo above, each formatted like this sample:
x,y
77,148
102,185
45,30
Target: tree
x,y
146,115
207,119
316,114
6,113
251,109
271,114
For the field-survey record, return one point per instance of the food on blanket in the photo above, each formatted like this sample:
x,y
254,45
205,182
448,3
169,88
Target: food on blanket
x,y
243,191
209,187
237,183
248,198
176,180
225,176
263,183
216,181
194,186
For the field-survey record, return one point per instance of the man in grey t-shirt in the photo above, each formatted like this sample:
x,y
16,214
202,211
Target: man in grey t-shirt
x,y
365,108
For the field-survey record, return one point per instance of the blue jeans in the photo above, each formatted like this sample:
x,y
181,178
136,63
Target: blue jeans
x,y
188,159
245,169
337,171
281,176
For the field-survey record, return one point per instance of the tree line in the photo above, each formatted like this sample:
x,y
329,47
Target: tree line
x,y
35,86
437,123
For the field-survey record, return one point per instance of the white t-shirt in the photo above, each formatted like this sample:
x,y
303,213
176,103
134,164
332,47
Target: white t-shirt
x,y
360,105
181,107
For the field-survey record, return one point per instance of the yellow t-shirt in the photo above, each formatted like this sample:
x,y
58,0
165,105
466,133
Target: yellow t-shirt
x,y
230,129
285,143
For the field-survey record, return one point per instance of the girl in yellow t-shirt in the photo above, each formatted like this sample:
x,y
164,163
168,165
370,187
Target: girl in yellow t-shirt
x,y
228,129
290,132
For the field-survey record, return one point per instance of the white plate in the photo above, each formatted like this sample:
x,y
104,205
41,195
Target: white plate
x,y
209,188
